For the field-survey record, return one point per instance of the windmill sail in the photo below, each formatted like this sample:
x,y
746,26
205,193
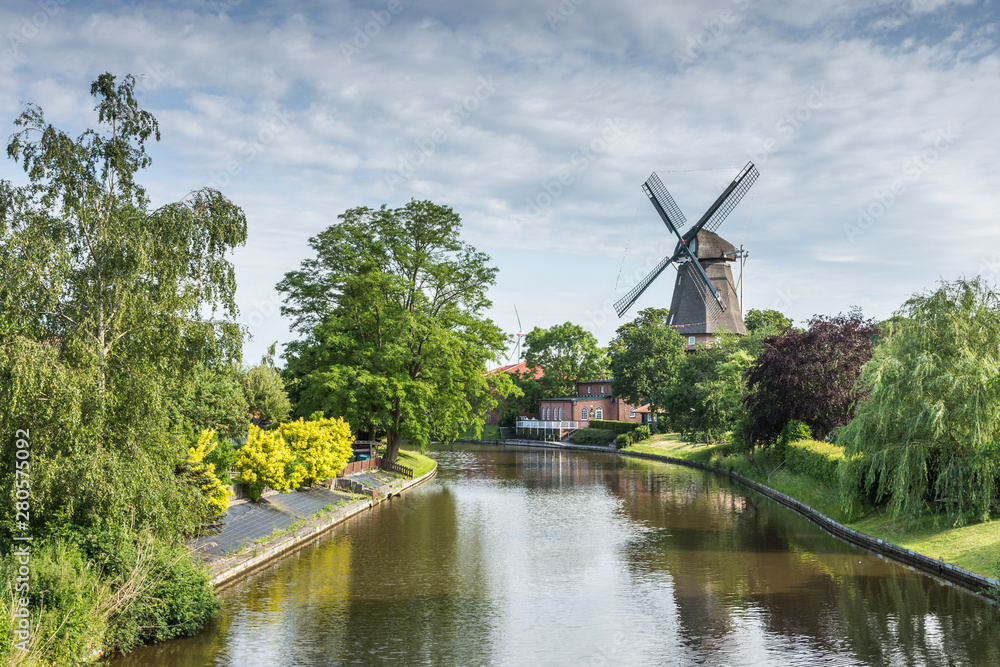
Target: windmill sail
x,y
701,294
727,201
624,303
664,204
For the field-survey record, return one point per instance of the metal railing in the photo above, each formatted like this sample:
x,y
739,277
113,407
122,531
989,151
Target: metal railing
x,y
550,425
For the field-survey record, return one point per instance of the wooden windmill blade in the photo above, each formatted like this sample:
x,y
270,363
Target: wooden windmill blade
x,y
664,204
726,202
714,305
624,303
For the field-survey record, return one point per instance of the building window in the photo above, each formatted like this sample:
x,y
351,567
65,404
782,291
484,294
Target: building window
x,y
560,414
599,413
602,389
631,413
691,340
583,413
588,388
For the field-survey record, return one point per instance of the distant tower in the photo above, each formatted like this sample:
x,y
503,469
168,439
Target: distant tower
x,y
704,300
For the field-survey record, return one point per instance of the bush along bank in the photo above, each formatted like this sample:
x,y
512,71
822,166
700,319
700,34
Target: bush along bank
x,y
803,478
94,592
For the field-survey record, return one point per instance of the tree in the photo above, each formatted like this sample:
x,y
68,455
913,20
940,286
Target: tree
x,y
769,321
101,292
929,430
645,354
264,391
394,337
210,399
808,375
215,492
703,396
567,353
265,459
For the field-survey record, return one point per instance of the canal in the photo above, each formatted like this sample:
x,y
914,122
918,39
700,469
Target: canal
x,y
518,556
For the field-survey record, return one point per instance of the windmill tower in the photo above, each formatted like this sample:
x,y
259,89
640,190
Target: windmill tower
x,y
704,300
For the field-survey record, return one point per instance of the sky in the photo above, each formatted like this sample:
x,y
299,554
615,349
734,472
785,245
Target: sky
x,y
874,125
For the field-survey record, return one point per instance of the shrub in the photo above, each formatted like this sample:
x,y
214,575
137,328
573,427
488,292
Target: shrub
x,y
215,492
819,460
65,595
641,433
623,440
111,589
615,426
321,447
795,430
179,601
593,436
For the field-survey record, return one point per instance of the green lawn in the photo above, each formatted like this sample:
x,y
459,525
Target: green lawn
x,y
421,464
975,547
670,444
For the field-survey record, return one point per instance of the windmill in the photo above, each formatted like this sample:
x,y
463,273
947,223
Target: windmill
x,y
704,299
520,334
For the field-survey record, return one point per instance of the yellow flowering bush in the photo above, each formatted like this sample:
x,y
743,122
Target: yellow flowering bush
x,y
321,446
215,493
263,460
300,450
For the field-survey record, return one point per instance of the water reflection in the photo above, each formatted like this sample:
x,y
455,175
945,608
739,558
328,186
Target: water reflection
x,y
529,556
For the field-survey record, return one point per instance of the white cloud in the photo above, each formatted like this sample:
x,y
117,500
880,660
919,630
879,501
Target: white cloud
x,y
749,89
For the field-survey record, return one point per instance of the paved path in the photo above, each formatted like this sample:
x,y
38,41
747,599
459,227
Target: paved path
x,y
246,522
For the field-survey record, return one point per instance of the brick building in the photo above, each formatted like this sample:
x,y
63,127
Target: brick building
x,y
520,370
593,400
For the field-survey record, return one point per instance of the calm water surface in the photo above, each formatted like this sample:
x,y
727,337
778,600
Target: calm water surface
x,y
541,557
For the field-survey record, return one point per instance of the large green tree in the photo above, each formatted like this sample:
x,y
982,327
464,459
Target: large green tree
x,y
391,312
108,303
766,321
704,395
264,390
928,434
566,352
645,355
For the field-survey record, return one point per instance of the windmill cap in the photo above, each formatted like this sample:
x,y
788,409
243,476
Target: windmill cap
x,y
712,246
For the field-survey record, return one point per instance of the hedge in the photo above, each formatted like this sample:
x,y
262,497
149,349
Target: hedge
x,y
819,460
593,436
616,427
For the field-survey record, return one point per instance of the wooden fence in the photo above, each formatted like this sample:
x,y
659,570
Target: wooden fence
x,y
396,468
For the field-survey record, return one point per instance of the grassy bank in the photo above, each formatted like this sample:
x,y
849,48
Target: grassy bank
x,y
421,464
974,547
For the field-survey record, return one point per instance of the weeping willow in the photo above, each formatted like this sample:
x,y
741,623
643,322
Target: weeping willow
x,y
927,435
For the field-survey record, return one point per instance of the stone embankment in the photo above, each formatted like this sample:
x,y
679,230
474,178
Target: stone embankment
x,y
251,522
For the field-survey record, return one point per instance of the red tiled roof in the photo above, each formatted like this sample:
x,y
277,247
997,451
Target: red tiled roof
x,y
520,368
